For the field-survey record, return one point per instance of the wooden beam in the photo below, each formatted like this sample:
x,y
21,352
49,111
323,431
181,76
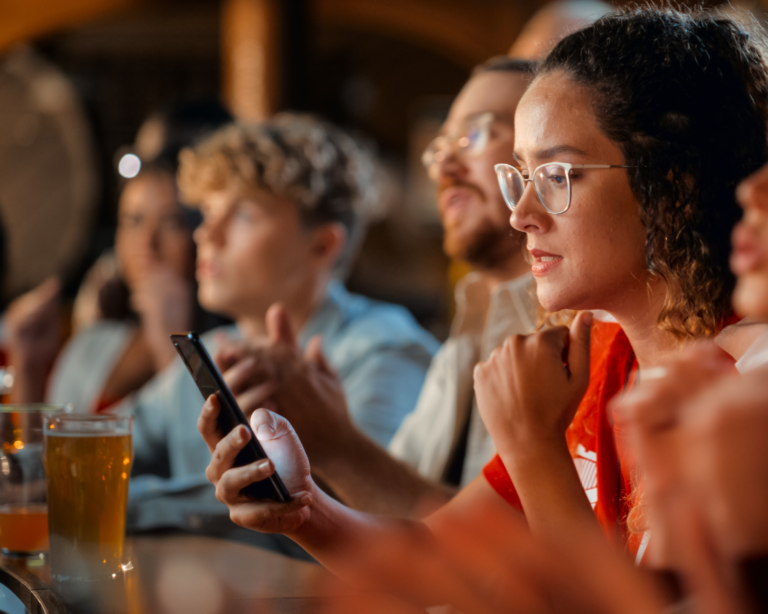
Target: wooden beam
x,y
24,20
467,32
250,50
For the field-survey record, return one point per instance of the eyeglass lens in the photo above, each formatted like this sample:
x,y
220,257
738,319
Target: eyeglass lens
x,y
550,181
469,141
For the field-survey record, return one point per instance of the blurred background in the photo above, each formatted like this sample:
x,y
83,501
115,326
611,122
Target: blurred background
x,y
78,77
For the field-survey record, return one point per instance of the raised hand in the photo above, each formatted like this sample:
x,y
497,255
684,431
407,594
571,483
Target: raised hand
x,y
302,388
163,300
33,331
652,415
529,389
724,462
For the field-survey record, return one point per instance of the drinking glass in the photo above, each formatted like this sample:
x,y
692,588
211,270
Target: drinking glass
x,y
88,464
23,508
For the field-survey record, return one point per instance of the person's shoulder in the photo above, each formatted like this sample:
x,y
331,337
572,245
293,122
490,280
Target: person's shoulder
x,y
380,324
210,338
98,337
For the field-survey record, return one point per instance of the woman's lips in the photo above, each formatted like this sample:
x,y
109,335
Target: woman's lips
x,y
747,254
543,262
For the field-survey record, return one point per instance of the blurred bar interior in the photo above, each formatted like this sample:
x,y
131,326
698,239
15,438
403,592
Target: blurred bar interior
x,y
78,77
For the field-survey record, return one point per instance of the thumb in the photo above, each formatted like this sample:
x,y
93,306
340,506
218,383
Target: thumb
x,y
279,327
49,289
314,354
578,347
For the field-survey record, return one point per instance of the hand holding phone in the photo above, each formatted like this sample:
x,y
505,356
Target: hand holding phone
x,y
209,381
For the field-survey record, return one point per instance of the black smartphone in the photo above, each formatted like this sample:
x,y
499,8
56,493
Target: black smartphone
x,y
209,381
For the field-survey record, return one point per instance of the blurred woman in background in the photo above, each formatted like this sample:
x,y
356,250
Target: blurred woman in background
x,y
152,295
132,297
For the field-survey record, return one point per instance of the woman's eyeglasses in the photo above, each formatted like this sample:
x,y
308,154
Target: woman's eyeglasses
x,y
551,180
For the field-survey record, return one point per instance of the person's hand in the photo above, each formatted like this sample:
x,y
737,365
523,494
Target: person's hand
x,y
651,416
529,389
163,301
302,388
724,462
286,455
33,331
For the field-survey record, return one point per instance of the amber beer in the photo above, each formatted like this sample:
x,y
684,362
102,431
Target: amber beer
x,y
23,509
23,529
88,465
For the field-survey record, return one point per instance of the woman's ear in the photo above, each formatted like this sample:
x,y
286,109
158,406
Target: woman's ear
x,y
328,242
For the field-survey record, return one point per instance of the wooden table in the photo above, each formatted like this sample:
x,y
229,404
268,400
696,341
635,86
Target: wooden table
x,y
190,574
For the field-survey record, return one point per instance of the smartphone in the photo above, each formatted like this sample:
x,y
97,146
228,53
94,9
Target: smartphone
x,y
209,381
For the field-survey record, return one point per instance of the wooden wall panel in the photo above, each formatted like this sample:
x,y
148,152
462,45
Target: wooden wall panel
x,y
23,20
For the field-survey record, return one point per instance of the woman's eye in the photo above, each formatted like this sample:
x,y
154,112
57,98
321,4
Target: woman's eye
x,y
556,179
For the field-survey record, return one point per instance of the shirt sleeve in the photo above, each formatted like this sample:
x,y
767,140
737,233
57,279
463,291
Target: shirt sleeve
x,y
496,474
382,387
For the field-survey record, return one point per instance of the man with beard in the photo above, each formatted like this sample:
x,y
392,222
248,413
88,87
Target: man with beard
x,y
444,439
443,443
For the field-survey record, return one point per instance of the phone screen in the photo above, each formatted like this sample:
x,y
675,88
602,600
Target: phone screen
x,y
197,368
209,381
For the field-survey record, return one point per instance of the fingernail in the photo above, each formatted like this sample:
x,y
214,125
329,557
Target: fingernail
x,y
242,434
263,465
306,499
588,317
265,431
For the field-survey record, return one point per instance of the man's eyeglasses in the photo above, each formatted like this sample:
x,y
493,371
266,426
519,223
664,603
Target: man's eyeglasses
x,y
551,180
470,140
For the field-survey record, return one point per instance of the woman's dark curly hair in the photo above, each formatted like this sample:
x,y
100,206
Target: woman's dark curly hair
x,y
685,97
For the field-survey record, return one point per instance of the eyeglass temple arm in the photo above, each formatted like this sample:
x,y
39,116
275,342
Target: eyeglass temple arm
x,y
599,166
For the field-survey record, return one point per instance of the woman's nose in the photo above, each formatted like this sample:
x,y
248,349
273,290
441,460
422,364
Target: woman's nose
x,y
529,215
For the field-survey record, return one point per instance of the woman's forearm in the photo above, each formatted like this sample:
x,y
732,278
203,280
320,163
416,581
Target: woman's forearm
x,y
333,533
549,488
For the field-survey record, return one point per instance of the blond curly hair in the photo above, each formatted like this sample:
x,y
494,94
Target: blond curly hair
x,y
326,173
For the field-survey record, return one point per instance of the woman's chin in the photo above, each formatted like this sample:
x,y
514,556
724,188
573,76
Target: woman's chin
x,y
552,301
750,298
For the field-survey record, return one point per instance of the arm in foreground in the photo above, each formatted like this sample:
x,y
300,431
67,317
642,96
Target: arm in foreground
x,y
332,533
475,553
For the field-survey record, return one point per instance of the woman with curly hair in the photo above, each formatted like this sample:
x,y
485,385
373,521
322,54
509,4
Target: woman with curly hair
x,y
630,143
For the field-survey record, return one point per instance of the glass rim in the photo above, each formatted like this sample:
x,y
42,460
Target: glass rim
x,y
86,425
77,417
31,408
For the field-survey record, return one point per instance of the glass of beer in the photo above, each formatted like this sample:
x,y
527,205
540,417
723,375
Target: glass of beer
x,y
23,507
88,465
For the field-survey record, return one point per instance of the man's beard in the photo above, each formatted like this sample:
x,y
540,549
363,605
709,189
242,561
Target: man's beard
x,y
485,247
